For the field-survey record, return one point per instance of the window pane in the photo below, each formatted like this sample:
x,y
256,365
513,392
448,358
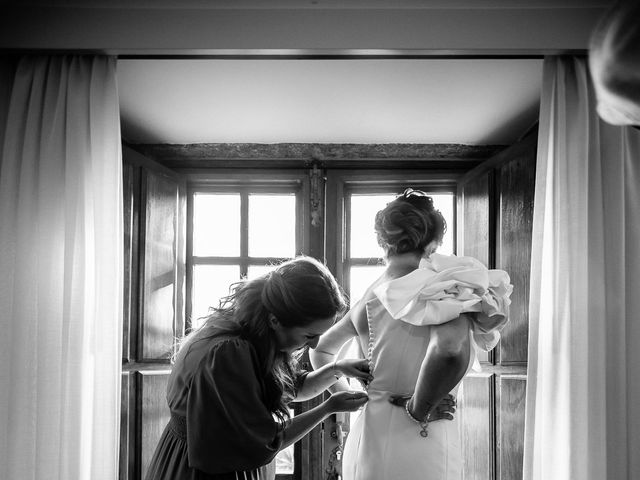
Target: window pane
x,y
256,270
362,234
216,225
210,284
360,278
272,225
445,202
363,242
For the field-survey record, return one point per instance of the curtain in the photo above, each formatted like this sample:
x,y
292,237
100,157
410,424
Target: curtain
x,y
582,420
61,263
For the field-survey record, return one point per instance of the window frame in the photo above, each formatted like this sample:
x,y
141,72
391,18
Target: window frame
x,y
342,183
339,184
326,242
244,183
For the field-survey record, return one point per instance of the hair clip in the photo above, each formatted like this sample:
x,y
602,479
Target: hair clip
x,y
410,192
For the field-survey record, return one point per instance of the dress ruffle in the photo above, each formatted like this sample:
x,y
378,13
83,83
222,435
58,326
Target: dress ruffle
x,y
446,286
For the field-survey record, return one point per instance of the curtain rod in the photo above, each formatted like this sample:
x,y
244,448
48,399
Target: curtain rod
x,y
296,54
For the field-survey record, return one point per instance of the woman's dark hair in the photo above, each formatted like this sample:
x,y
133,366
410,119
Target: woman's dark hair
x,y
409,223
297,292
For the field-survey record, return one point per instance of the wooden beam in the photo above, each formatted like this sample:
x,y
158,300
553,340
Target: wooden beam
x,y
504,30
297,155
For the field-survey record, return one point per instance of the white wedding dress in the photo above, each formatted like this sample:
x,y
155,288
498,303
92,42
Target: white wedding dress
x,y
384,443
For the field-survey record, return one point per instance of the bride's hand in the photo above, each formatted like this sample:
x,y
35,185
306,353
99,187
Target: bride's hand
x,y
356,368
443,411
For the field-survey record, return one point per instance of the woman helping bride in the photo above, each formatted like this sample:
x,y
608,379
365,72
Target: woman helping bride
x,y
419,326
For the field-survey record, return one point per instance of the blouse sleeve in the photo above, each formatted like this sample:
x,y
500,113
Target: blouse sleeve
x,y
229,427
446,287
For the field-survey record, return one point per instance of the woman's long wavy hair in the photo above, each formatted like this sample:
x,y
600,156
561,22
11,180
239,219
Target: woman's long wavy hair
x,y
297,292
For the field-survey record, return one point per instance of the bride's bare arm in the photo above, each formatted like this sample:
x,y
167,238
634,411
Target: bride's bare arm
x,y
330,344
444,365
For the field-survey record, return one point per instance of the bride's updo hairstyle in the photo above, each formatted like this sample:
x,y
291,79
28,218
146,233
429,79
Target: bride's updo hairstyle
x,y
409,223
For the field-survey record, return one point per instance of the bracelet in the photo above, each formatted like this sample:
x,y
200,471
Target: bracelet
x,y
333,369
424,424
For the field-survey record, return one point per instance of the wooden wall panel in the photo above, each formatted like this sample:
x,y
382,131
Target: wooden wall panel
x,y
516,184
476,423
511,426
160,274
498,195
180,263
127,428
477,236
476,211
154,242
128,173
154,413
310,456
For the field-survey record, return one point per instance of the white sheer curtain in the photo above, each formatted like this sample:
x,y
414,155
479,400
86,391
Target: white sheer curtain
x,y
61,263
582,416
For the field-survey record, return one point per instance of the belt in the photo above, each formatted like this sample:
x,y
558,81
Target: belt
x,y
178,425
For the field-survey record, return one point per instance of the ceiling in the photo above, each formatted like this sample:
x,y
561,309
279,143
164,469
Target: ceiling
x,y
315,71
464,101
314,4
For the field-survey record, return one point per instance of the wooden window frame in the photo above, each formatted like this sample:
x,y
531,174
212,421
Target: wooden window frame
x,y
244,182
342,183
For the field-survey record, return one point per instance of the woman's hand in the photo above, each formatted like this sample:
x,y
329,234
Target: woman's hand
x,y
346,401
443,411
355,368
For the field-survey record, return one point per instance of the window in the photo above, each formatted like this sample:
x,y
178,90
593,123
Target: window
x,y
364,260
353,199
239,232
240,223
240,228
235,235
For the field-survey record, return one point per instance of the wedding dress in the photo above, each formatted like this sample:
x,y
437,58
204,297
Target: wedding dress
x,y
384,443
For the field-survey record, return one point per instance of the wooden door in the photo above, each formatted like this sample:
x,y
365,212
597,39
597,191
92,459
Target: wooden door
x,y
495,204
154,213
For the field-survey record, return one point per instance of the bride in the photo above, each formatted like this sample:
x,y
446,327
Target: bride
x,y
419,326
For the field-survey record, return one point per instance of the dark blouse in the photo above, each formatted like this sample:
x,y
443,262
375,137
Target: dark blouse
x,y
216,385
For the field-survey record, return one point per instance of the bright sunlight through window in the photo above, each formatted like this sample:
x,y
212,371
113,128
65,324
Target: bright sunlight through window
x,y
365,253
227,247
